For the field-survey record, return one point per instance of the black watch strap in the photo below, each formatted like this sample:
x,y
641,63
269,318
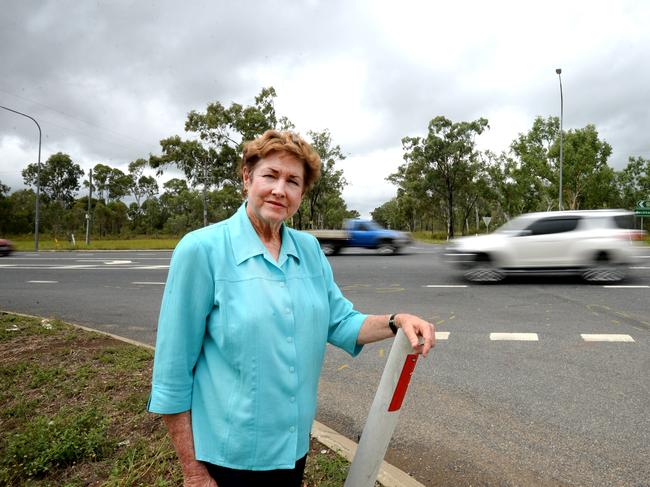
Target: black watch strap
x,y
391,323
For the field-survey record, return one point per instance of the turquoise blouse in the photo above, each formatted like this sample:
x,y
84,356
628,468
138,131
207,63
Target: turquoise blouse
x,y
241,340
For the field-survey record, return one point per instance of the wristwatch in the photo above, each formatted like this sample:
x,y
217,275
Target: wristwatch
x,y
391,323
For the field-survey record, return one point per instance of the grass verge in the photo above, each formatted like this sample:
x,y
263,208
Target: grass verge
x,y
72,413
117,244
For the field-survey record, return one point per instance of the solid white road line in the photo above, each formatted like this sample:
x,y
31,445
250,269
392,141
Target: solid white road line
x,y
446,285
42,282
524,337
604,337
442,335
631,286
145,282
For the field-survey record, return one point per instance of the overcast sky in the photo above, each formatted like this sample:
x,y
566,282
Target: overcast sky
x,y
108,80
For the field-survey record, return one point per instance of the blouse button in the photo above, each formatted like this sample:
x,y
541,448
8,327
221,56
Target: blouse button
x,y
292,369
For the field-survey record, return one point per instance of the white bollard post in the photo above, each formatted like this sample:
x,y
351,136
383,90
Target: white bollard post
x,y
384,414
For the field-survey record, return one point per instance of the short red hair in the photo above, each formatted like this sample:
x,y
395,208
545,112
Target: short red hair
x,y
289,142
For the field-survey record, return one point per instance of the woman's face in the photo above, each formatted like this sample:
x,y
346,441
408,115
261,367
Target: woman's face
x,y
275,187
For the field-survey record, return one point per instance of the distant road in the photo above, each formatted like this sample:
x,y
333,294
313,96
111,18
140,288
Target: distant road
x,y
533,382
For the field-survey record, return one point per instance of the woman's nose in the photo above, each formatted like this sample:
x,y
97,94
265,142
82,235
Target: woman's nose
x,y
279,187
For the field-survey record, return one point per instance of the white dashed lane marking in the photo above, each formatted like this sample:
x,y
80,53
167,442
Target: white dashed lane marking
x,y
604,337
43,282
622,286
446,285
151,283
522,337
442,335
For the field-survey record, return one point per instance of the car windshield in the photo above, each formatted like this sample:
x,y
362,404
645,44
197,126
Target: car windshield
x,y
515,225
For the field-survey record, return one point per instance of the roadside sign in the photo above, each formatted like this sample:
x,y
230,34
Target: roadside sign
x,y
487,220
642,208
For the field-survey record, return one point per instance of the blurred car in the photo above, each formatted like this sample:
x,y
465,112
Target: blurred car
x,y
598,245
6,247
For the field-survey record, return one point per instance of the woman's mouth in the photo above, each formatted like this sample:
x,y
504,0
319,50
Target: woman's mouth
x,y
276,204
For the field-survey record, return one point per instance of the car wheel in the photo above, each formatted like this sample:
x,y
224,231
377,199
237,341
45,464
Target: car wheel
x,y
603,270
329,248
386,249
484,270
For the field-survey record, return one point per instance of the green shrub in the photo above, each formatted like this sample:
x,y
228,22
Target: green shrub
x,y
47,444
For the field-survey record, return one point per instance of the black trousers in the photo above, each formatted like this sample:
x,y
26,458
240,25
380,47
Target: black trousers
x,y
230,477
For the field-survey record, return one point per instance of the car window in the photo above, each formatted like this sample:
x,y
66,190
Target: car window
x,y
625,221
514,225
553,225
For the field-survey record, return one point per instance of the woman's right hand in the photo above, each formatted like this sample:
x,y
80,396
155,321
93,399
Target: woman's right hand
x,y
199,479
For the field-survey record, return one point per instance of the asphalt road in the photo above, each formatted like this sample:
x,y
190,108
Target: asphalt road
x,y
547,407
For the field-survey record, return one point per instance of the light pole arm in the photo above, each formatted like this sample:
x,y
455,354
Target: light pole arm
x,y
38,174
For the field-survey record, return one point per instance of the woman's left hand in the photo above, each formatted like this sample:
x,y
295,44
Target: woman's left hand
x,y
420,333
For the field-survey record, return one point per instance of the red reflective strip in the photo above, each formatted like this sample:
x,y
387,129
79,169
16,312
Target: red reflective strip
x,y
403,382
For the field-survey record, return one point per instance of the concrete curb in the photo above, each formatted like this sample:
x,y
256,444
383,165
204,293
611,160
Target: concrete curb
x,y
389,475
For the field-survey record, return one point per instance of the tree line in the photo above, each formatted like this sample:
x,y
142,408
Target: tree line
x,y
444,184
210,189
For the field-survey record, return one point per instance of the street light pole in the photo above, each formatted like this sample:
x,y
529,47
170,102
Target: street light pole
x,y
559,73
38,175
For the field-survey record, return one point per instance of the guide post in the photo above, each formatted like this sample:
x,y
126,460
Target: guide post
x,y
384,413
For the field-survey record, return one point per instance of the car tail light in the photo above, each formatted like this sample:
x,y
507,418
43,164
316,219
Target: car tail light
x,y
635,235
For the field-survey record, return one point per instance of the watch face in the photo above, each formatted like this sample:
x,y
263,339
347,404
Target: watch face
x,y
391,324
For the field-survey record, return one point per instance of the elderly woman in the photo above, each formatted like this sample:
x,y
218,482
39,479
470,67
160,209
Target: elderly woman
x,y
247,311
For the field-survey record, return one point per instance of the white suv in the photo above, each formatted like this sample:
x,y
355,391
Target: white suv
x,y
599,245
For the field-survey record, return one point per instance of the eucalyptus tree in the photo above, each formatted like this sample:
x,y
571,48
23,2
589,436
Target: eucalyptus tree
x,y
536,167
588,180
59,178
323,206
210,155
59,181
5,208
193,159
634,182
19,218
101,173
139,185
441,164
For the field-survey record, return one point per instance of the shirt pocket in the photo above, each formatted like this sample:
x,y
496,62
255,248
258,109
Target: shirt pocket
x,y
247,310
